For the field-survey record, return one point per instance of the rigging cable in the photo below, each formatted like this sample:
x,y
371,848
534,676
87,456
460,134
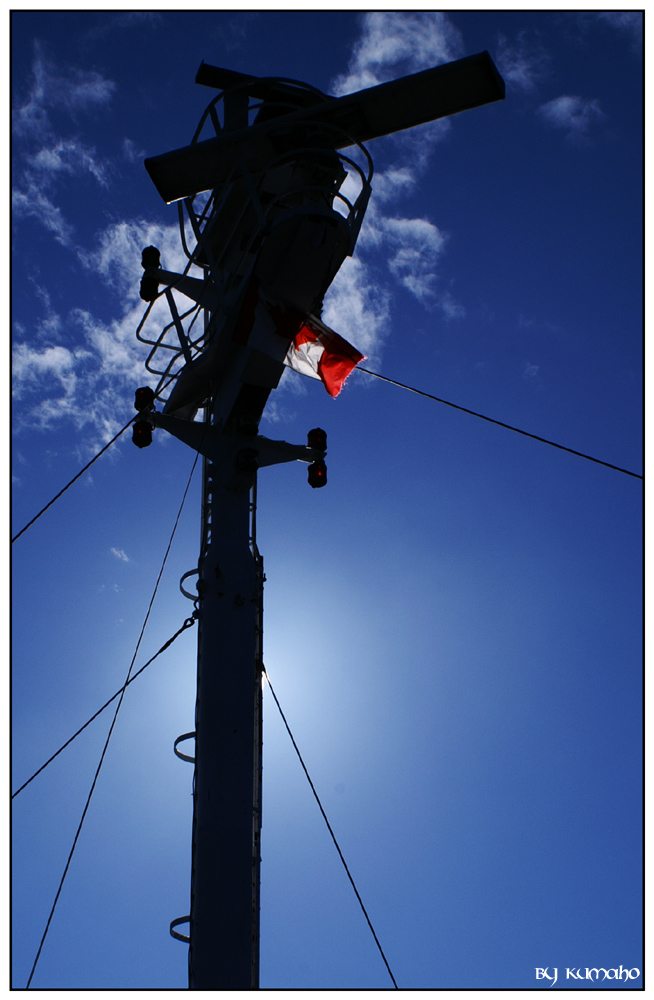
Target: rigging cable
x,y
500,423
111,728
187,624
87,466
419,392
74,479
324,816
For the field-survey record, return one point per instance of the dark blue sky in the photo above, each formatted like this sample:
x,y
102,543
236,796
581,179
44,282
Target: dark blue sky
x,y
453,625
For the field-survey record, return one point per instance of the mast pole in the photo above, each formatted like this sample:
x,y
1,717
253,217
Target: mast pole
x,y
224,925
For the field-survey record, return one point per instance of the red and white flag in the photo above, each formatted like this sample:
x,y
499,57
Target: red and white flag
x,y
321,353
298,339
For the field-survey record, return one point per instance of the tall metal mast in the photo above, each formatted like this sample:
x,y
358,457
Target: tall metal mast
x,y
282,208
227,785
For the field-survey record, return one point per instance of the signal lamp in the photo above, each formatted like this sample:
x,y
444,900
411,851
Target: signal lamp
x,y
317,474
142,433
149,288
317,438
143,398
151,257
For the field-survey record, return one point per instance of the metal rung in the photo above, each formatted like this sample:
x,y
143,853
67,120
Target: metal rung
x,y
178,753
191,572
175,923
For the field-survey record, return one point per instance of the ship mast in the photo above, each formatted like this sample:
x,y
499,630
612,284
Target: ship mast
x,y
274,201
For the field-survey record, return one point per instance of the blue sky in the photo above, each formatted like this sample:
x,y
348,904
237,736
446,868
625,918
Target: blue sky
x,y
453,625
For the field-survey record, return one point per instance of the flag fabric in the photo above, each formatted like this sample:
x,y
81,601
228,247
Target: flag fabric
x,y
321,353
310,347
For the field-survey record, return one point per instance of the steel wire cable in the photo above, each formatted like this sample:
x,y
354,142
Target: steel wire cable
x,y
73,480
111,729
87,466
401,385
500,423
333,836
169,642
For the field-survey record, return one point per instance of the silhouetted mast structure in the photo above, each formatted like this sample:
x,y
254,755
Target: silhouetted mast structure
x,y
272,204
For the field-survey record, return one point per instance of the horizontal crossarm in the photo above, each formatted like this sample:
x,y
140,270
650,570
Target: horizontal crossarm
x,y
369,114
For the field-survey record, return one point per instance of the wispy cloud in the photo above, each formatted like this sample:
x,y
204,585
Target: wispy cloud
x,y
71,89
116,254
32,202
119,554
626,22
42,159
122,21
391,45
575,115
77,368
131,152
522,63
412,247
33,195
31,366
358,306
92,385
67,156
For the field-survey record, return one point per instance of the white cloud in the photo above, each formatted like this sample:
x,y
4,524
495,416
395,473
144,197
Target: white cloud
x,y
122,20
43,158
394,43
93,385
629,22
116,256
32,198
450,307
119,554
33,203
70,157
413,150
575,115
277,409
412,249
521,64
416,245
32,195
358,307
73,90
114,344
131,152
391,45
392,183
30,366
